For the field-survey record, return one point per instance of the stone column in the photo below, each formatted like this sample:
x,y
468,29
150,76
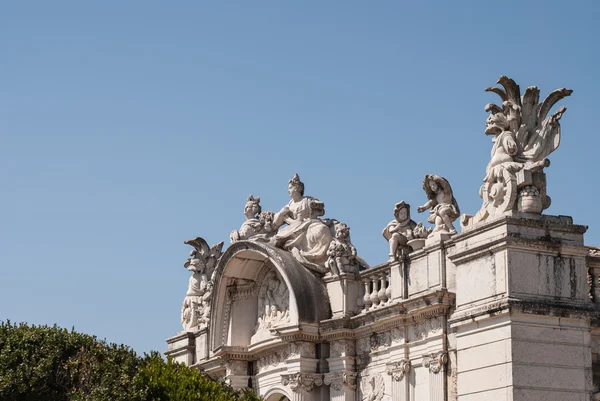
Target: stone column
x,y
400,386
522,319
436,363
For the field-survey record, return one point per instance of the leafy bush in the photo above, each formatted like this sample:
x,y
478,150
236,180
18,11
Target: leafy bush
x,y
54,364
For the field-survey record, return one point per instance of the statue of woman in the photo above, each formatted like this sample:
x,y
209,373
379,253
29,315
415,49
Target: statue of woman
x,y
444,208
306,236
256,225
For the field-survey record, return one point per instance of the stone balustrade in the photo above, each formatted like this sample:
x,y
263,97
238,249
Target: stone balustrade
x,y
377,287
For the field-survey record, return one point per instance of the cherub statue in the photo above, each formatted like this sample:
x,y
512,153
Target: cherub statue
x,y
400,230
258,224
341,253
444,208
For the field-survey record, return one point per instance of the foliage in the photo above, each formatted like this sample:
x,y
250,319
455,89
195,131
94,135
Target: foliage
x,y
55,364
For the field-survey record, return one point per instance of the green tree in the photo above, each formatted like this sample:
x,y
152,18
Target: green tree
x,y
55,364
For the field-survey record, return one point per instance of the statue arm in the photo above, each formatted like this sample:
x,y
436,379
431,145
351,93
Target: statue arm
x,y
429,204
281,217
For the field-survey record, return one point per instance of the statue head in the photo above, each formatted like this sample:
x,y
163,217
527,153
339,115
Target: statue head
x,y
402,211
342,231
295,185
252,207
496,123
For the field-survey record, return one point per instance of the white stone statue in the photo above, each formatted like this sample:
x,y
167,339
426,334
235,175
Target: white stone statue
x,y
273,302
523,138
341,253
195,311
300,230
258,224
402,229
443,207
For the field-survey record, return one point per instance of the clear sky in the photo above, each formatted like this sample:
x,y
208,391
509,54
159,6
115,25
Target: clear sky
x,y
127,127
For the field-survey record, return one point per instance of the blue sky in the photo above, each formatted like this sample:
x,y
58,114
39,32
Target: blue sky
x,y
128,127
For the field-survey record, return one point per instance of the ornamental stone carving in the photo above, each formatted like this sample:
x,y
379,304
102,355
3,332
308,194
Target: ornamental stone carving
x,y
195,310
342,348
301,232
402,230
373,388
443,208
337,380
258,225
273,302
398,369
523,136
341,254
380,340
435,361
302,381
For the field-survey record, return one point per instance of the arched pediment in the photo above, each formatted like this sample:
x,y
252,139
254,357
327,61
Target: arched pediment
x,y
238,278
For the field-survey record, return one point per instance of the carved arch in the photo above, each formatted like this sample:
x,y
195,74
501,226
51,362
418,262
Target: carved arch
x,y
241,270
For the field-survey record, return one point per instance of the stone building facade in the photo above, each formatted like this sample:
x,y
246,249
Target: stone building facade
x,y
504,310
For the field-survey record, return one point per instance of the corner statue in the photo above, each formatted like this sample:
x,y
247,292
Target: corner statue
x,y
523,138
195,311
305,235
444,209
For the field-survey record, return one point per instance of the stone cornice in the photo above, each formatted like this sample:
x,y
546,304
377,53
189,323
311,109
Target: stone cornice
x,y
544,308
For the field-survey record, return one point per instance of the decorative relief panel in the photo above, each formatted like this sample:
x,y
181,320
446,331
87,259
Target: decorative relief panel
x,y
342,348
273,302
380,340
373,388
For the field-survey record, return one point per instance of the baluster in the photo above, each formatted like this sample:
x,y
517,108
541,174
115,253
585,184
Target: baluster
x,y
388,290
367,297
382,290
375,294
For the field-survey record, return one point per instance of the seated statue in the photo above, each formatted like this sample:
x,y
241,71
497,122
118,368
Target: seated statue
x,y
258,225
444,208
400,230
300,230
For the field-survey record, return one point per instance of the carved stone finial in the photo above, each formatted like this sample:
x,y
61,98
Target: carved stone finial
x,y
524,136
443,207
